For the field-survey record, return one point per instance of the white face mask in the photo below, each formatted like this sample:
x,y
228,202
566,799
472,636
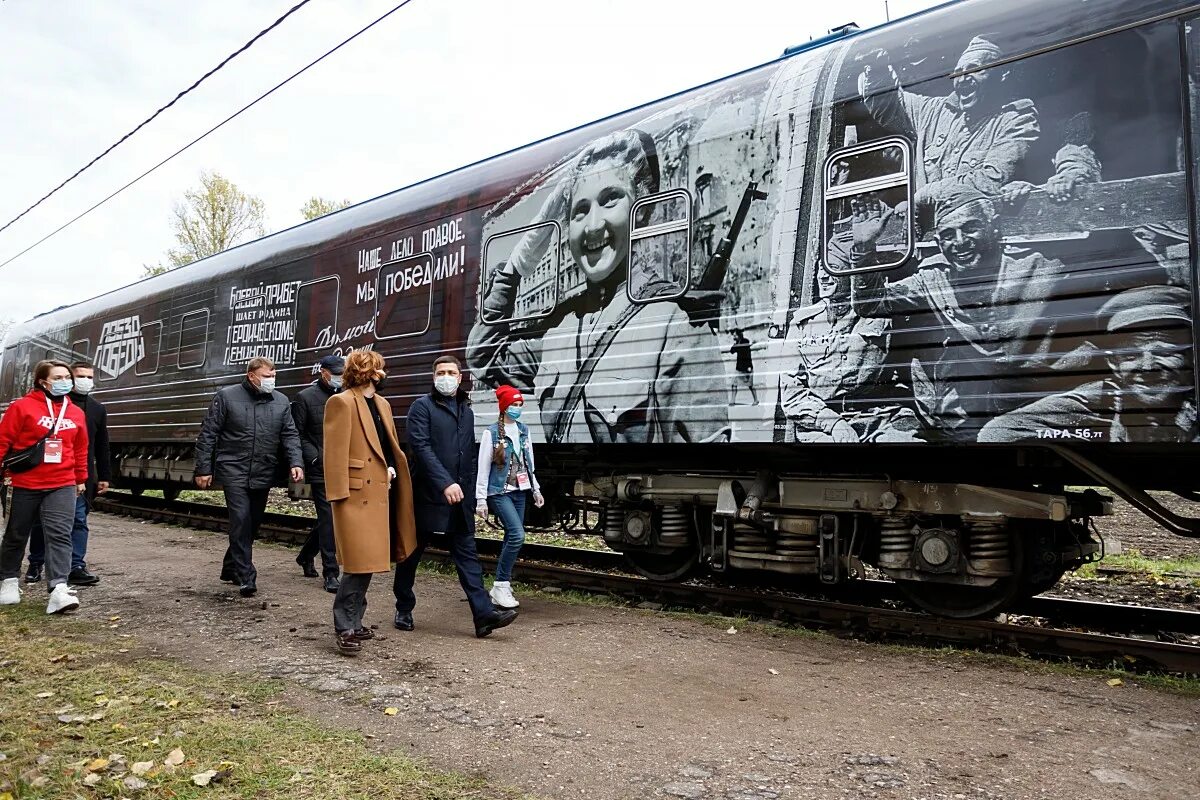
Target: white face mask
x,y
266,385
446,384
84,385
335,381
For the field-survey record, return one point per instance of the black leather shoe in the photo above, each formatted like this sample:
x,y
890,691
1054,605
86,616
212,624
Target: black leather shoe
x,y
310,571
248,589
497,619
34,573
404,621
227,576
81,577
331,583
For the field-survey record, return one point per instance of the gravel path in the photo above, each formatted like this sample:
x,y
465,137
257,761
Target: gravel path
x,y
580,701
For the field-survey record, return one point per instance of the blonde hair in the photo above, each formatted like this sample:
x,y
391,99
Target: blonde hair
x,y
361,366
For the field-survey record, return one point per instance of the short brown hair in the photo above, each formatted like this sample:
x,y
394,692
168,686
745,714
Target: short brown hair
x,y
82,365
41,370
361,366
446,359
257,363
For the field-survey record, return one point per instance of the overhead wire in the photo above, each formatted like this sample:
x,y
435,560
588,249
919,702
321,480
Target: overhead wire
x,y
155,115
213,129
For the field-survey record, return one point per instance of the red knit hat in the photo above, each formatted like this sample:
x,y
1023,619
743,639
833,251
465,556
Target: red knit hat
x,y
507,395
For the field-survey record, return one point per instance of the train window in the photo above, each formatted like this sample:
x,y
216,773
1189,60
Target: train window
x,y
864,184
193,339
147,364
660,244
317,313
404,297
81,350
529,255
8,371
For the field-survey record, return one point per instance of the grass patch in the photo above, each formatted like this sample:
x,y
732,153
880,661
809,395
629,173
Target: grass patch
x,y
107,711
1143,567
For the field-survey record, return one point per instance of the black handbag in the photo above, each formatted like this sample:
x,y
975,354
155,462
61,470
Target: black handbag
x,y
27,458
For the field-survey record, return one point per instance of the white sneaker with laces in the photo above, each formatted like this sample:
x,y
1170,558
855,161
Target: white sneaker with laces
x,y
502,595
62,599
10,591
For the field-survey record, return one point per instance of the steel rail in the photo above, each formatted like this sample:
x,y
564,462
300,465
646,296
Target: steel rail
x,y
544,565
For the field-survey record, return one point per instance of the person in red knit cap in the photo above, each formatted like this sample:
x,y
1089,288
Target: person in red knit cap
x,y
506,479
44,451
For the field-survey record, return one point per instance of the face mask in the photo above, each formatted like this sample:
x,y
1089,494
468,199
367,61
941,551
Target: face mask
x,y
446,384
335,381
60,387
266,385
84,385
514,412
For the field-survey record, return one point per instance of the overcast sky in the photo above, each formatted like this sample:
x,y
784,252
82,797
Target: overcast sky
x,y
440,84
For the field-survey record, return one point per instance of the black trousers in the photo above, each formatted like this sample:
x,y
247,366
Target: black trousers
x,y
246,509
320,538
466,562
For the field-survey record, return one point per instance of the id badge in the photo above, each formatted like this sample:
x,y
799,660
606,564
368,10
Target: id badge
x,y
53,452
523,480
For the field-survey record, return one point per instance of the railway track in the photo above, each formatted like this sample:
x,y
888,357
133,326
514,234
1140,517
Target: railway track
x,y
1136,637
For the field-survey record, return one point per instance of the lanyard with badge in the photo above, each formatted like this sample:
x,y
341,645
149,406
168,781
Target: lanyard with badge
x,y
521,472
54,446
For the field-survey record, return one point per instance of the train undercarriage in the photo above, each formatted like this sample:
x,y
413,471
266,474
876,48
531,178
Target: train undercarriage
x,y
955,550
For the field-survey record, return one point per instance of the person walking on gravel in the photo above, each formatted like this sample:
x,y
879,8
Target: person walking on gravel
x,y
505,482
308,410
246,428
44,451
368,484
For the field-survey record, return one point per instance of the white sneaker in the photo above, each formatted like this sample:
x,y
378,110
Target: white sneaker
x,y
62,599
10,591
502,595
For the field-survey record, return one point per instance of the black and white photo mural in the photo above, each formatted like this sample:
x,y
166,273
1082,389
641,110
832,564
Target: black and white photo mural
x,y
875,241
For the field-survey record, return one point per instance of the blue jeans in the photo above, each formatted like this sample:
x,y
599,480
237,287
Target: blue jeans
x,y
510,508
79,539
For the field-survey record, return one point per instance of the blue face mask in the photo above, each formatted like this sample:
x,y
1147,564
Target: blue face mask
x,y
514,412
60,387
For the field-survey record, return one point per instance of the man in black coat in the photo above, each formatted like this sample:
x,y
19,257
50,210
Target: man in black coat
x,y
99,477
308,410
441,436
239,445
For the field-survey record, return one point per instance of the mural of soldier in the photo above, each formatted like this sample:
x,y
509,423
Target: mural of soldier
x,y
604,369
1148,389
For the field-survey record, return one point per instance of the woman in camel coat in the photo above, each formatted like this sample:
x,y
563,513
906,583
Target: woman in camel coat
x,y
367,482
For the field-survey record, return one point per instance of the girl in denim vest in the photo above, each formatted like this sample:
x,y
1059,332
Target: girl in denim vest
x,y
506,479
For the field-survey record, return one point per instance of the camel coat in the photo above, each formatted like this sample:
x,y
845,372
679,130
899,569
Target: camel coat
x,y
356,483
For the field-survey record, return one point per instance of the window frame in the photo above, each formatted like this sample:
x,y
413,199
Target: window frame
x,y
157,349
337,301
378,294
904,178
87,354
179,341
661,229
556,248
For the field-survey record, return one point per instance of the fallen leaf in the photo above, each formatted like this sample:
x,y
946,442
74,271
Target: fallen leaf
x,y
118,726
101,700
99,715
172,703
43,695
134,784
97,765
6,796
773,671
141,767
1116,682
175,758
391,711
204,778
114,618
92,779
731,629
61,657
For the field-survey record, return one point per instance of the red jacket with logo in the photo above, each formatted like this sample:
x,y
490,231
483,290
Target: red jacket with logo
x,y
28,420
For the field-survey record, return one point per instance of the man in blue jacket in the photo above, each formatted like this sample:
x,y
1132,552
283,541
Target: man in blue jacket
x,y
441,436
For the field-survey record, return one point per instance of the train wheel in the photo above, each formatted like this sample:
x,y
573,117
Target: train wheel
x,y
671,566
962,602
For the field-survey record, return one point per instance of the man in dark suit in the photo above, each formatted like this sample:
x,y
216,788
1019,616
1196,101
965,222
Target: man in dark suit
x,y
441,436
308,409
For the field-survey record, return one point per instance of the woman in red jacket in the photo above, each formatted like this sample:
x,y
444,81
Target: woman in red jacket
x,y
47,491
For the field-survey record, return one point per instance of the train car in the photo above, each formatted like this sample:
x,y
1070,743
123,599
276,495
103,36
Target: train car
x,y
881,301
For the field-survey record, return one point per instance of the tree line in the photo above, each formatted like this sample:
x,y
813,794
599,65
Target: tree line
x,y
216,215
